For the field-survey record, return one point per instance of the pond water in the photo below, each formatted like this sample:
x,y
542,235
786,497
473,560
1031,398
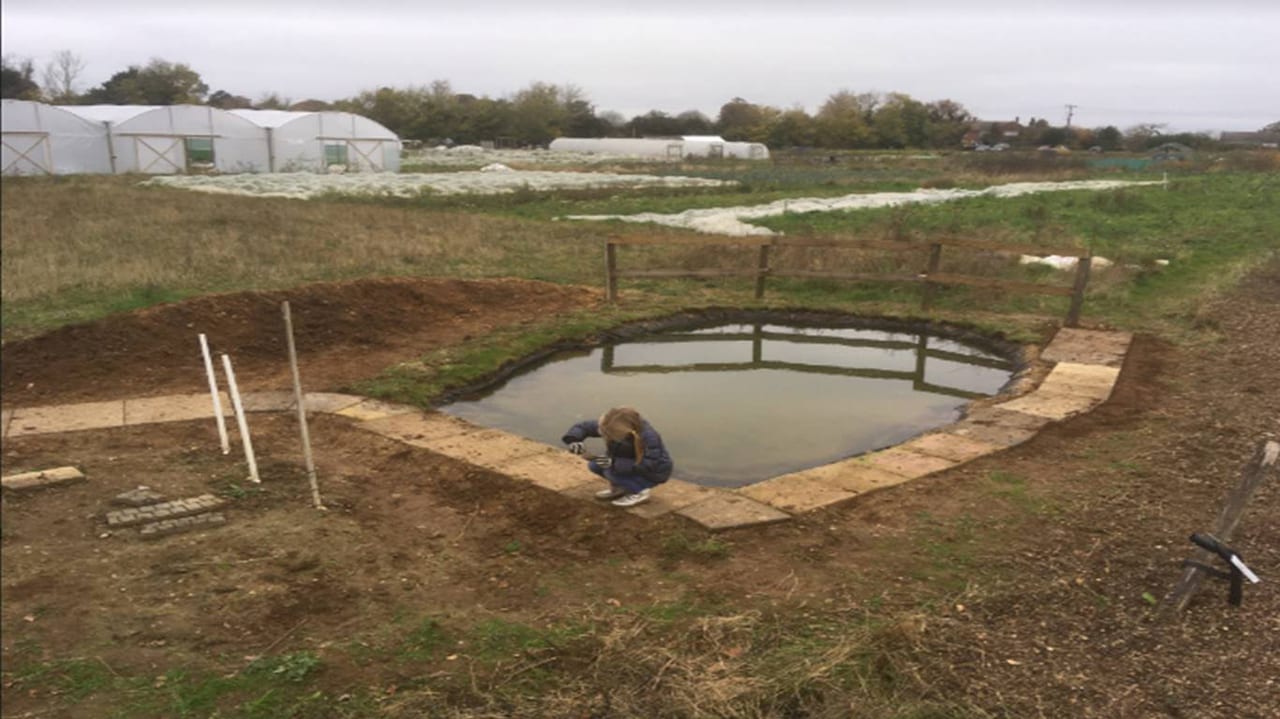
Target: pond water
x,y
740,403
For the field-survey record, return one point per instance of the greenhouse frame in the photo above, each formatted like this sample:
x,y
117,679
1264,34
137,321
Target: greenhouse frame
x,y
672,148
41,139
325,141
175,139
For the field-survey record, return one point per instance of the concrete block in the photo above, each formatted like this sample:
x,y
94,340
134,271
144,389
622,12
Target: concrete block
x,y
1051,406
166,527
950,446
727,510
906,463
66,418
176,408
42,478
369,409
418,428
795,493
672,495
1088,347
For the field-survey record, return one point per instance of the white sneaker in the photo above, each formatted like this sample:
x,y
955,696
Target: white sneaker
x,y
631,500
613,492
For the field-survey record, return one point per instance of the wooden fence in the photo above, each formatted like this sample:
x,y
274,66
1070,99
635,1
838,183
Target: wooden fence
x,y
930,276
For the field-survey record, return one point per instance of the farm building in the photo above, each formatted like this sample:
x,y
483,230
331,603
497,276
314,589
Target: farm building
x,y
169,139
318,141
40,139
673,148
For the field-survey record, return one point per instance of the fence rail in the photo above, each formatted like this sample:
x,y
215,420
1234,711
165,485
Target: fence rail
x,y
931,277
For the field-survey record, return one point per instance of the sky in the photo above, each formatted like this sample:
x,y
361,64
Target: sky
x,y
1191,65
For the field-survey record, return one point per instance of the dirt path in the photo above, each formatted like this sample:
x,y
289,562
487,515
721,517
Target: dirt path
x,y
1019,579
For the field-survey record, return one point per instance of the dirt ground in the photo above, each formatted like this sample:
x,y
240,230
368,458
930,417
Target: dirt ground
x,y
1019,579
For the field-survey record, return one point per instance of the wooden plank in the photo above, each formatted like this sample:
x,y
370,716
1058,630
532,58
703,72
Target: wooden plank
x,y
1262,464
1077,290
1010,247
931,270
690,274
851,276
762,270
1006,285
611,271
707,241
850,243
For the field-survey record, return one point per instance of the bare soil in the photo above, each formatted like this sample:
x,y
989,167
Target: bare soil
x,y
1015,583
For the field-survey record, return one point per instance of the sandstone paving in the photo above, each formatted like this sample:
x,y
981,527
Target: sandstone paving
x,y
42,478
174,408
724,510
66,418
796,493
418,428
1088,347
950,446
1051,406
370,409
905,463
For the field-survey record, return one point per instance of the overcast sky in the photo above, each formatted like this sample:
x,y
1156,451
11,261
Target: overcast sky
x,y
1192,64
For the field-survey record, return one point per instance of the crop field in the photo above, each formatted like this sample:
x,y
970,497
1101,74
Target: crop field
x,y
1027,583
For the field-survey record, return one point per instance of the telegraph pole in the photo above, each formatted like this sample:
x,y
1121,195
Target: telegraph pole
x,y
1071,109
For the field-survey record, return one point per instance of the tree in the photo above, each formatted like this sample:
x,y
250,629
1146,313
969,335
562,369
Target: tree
x,y
1273,127
16,79
948,123
1139,137
741,120
844,120
226,101
901,122
158,83
272,101
792,128
61,76
1108,138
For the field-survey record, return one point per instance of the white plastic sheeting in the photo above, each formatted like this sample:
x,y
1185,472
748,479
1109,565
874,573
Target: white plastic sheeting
x,y
40,139
675,148
174,139
323,141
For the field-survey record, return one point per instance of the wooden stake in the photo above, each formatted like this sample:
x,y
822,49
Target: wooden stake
x,y
610,271
302,407
241,421
213,391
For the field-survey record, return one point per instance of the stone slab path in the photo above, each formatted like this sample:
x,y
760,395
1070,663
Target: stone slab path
x,y
1085,367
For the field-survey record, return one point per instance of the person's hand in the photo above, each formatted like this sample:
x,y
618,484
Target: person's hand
x,y
577,447
603,462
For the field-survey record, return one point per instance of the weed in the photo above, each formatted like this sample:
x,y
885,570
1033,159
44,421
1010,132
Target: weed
x,y
292,668
681,546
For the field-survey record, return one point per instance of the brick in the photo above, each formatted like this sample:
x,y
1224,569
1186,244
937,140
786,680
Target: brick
x,y
164,528
66,418
42,478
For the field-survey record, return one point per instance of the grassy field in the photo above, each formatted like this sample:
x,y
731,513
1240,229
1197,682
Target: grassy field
x,y
76,249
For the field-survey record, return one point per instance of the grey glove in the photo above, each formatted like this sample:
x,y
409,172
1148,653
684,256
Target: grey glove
x,y
577,448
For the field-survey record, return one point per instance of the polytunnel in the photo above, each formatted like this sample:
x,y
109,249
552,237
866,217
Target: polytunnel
x,y
325,141
669,148
41,139
169,139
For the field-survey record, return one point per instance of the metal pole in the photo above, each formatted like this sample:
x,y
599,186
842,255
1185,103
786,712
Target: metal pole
x,y
302,407
240,420
213,391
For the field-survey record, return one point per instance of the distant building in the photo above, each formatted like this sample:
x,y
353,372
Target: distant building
x,y
990,132
671,148
1251,139
1172,152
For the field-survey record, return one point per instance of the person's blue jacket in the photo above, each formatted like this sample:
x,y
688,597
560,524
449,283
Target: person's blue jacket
x,y
655,466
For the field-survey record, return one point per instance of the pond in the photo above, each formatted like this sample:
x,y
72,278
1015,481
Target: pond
x,y
740,403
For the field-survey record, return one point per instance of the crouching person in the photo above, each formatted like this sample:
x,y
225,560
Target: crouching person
x,y
635,460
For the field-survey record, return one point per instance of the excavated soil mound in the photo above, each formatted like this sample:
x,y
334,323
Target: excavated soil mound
x,y
344,332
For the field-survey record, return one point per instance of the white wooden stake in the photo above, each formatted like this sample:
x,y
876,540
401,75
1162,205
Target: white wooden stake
x,y
240,420
213,390
302,407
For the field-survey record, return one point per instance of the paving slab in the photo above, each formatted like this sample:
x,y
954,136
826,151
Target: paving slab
x,y
557,471
906,463
1088,347
1083,380
174,408
418,428
329,401
672,495
952,447
726,510
5,417
370,409
489,448
41,478
998,416
1000,435
796,493
1051,406
66,418
855,476
274,401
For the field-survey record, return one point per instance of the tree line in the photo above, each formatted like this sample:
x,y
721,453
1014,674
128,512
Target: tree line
x,y
535,115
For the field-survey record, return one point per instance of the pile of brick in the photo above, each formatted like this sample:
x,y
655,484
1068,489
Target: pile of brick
x,y
158,518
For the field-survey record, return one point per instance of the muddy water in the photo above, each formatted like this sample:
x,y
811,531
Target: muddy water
x,y
737,404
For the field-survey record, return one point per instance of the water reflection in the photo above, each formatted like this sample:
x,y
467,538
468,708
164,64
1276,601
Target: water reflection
x,y
743,402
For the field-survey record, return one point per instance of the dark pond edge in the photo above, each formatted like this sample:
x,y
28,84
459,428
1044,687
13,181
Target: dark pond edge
x,y
1019,355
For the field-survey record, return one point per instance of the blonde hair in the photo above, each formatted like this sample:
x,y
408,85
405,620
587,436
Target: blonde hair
x,y
620,422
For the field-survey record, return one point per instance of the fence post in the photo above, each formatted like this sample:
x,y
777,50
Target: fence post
x,y
762,269
1083,265
610,271
935,261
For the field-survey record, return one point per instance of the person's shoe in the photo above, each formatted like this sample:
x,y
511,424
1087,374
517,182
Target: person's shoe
x,y
631,500
613,492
